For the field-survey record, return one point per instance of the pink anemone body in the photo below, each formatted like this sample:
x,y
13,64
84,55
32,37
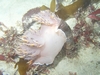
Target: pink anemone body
x,y
43,41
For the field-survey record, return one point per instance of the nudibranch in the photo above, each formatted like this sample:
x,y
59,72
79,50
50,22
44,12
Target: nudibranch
x,y
44,39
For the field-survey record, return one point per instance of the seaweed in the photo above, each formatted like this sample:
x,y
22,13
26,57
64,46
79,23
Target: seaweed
x,y
52,6
23,66
43,7
95,15
66,11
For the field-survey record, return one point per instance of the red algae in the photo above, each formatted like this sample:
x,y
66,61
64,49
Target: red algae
x,y
94,14
2,57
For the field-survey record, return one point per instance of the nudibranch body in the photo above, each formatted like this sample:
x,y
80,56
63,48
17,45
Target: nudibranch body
x,y
43,40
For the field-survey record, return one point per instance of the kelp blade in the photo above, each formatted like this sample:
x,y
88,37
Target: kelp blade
x,y
52,6
67,11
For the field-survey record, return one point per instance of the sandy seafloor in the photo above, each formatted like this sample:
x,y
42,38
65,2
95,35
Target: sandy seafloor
x,y
87,62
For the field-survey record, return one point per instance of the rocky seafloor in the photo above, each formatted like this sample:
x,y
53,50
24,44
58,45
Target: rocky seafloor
x,y
85,62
